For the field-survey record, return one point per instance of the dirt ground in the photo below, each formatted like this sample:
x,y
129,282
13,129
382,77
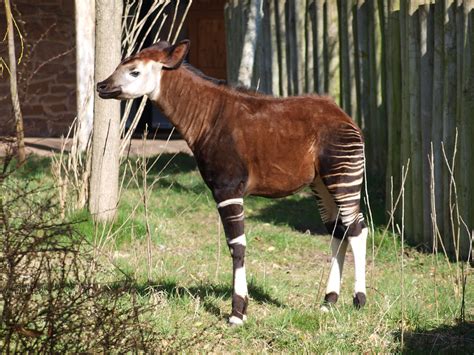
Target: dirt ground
x,y
49,146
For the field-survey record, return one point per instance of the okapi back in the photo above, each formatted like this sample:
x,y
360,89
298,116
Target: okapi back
x,y
273,145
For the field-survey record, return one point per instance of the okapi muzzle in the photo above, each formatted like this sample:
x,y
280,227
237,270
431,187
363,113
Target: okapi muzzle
x,y
107,90
246,143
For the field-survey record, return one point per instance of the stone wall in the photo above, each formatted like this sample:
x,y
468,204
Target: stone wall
x,y
47,73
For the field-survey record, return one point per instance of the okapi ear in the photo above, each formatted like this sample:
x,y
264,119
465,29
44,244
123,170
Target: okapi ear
x,y
176,54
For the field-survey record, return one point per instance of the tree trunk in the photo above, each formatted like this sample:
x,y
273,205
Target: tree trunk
x,y
106,137
85,42
250,43
20,136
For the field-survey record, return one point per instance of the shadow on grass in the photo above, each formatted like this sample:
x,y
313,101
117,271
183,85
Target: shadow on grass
x,y
300,214
457,339
172,290
172,164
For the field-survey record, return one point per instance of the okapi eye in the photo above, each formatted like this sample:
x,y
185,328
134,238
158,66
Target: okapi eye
x,y
134,73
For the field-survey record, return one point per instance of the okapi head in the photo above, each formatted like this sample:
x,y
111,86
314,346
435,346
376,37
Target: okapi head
x,y
140,74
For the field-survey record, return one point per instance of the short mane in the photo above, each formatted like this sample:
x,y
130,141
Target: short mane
x,y
224,83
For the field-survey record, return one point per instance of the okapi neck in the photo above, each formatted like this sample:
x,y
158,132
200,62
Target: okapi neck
x,y
189,102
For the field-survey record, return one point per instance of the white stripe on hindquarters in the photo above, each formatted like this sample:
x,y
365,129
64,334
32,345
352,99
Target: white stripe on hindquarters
x,y
231,201
359,245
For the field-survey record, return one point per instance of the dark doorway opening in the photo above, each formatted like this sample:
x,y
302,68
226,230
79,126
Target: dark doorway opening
x,y
204,26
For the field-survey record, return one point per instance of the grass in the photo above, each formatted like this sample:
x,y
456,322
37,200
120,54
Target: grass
x,y
288,255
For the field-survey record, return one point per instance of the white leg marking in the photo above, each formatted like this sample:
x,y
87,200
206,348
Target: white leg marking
x,y
240,282
358,245
236,320
232,201
338,249
238,240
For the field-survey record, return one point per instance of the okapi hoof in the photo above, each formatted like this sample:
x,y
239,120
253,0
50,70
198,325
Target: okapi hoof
x,y
329,300
236,321
359,300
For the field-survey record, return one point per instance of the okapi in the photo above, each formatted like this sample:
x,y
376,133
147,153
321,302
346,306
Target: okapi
x,y
253,144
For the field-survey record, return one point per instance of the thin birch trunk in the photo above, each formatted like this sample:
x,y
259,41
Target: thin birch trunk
x,y
250,42
20,135
85,47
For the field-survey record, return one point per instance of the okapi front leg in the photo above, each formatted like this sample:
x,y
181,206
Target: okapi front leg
x,y
232,216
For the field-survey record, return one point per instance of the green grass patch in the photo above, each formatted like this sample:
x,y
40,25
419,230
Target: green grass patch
x,y
287,262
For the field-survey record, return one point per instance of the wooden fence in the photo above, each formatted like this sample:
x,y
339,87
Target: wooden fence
x,y
404,71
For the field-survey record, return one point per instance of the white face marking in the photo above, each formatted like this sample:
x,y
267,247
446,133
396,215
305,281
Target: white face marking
x,y
138,79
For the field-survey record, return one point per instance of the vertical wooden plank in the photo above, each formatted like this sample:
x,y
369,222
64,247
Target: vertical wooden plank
x,y
351,36
275,67
405,113
466,126
469,109
375,132
266,82
415,124
362,59
282,45
332,50
291,48
449,108
344,60
437,111
426,94
380,79
310,13
300,27
319,46
395,98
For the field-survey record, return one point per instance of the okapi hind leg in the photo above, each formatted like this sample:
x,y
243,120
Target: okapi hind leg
x,y
342,172
231,212
329,214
